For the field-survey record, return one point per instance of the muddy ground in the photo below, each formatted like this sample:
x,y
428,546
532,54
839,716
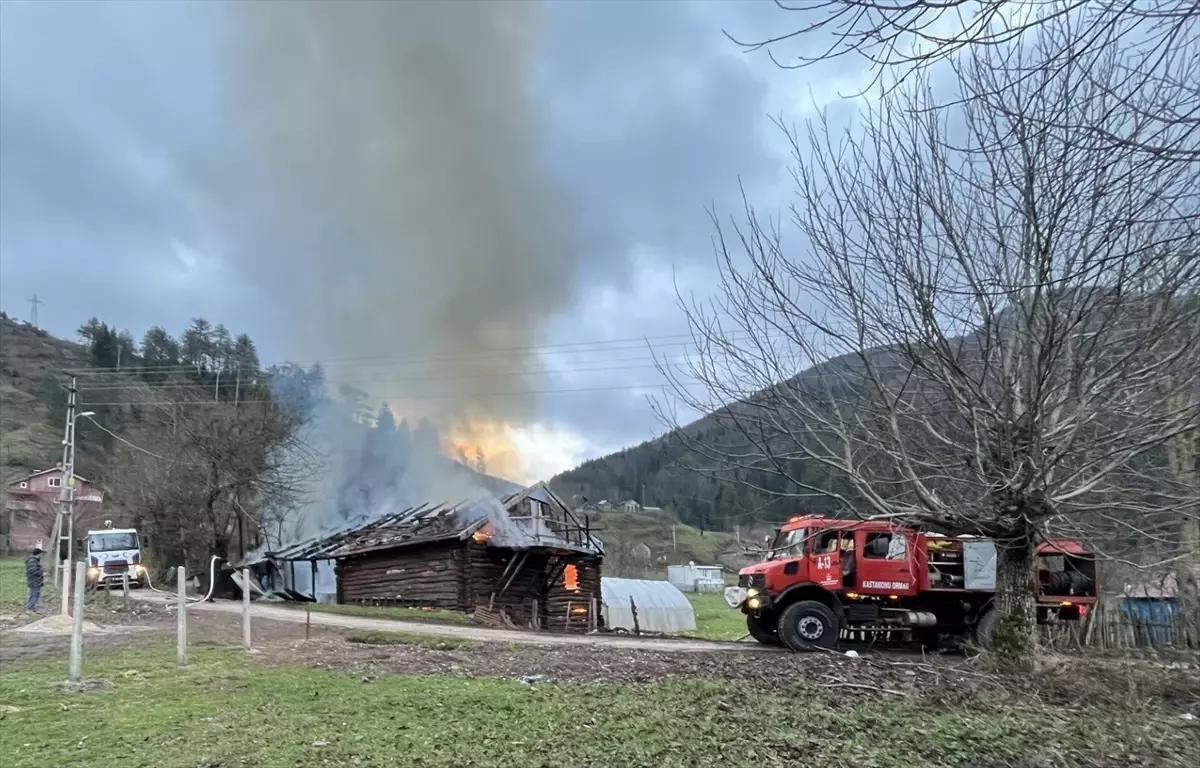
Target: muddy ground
x,y
1175,684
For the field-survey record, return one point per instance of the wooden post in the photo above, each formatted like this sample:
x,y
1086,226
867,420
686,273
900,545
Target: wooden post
x,y
637,630
307,620
66,586
536,622
77,630
181,638
246,608
593,619
125,588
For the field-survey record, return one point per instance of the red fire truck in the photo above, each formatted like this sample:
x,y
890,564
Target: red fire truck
x,y
824,577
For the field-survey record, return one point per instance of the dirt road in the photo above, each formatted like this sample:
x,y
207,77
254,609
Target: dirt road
x,y
482,634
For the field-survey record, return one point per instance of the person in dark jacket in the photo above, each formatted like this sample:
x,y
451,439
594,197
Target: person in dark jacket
x,y
34,578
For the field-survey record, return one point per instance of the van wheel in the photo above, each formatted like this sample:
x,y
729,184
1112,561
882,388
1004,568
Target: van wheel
x,y
807,625
762,629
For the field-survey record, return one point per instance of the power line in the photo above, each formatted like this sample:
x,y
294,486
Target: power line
x,y
405,396
564,371
609,345
123,440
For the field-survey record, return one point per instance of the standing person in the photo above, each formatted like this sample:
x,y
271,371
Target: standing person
x,y
34,578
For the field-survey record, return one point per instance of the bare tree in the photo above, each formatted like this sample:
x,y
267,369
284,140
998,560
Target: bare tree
x,y
992,330
1159,40
209,477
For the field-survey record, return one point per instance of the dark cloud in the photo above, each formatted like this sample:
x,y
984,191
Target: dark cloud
x,y
115,127
93,123
656,117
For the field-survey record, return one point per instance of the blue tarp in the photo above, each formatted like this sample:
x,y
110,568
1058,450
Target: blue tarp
x,y
1154,620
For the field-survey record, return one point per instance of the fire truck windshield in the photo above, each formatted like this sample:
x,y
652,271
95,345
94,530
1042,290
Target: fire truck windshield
x,y
788,544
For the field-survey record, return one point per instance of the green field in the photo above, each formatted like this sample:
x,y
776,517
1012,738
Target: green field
x,y
14,593
426,615
714,619
222,710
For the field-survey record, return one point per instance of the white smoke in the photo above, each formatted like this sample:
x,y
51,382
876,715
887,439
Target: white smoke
x,y
400,205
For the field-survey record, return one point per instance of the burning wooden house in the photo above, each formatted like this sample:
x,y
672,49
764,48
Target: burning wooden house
x,y
524,560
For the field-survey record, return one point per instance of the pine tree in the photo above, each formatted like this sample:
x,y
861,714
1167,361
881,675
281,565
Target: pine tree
x,y
198,344
244,355
222,348
159,348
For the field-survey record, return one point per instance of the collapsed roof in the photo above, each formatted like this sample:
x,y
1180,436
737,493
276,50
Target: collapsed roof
x,y
534,517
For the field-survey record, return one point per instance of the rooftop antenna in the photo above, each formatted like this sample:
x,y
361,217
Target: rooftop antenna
x,y
35,301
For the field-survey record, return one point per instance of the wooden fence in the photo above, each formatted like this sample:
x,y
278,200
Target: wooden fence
x,y
1117,623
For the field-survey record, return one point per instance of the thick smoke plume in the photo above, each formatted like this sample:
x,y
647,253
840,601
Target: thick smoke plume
x,y
400,145
403,219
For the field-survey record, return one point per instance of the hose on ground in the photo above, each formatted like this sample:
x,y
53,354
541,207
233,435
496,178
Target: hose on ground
x,y
212,582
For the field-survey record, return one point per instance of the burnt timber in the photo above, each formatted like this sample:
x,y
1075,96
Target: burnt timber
x,y
524,560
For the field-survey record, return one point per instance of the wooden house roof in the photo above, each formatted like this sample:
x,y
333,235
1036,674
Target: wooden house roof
x,y
499,522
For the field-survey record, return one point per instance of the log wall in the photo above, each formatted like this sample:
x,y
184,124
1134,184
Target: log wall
x,y
425,576
567,610
465,575
486,575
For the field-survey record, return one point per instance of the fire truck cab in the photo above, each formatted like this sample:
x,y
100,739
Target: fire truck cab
x,y
824,577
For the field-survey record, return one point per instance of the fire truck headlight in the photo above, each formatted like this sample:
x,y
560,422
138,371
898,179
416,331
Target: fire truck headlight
x,y
139,569
93,573
752,592
754,603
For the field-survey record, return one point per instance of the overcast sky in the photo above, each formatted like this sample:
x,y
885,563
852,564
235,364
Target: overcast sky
x,y
111,116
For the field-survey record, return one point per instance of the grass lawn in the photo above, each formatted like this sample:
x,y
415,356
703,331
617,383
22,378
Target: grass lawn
x,y
222,710
426,615
714,619
14,593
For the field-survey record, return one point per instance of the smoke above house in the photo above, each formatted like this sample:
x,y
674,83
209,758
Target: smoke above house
x,y
403,219
399,143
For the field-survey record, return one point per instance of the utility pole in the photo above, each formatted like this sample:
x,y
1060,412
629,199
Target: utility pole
x,y
35,301
61,525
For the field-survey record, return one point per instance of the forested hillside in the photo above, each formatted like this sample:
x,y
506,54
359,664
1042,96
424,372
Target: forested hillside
x,y
203,447
32,398
665,473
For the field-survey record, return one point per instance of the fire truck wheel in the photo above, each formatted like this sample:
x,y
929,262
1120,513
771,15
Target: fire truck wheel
x,y
762,629
808,624
985,629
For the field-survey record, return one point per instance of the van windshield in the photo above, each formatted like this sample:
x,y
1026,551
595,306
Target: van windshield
x,y
788,544
111,542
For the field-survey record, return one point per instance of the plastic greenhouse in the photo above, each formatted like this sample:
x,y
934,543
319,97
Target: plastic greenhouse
x,y
661,607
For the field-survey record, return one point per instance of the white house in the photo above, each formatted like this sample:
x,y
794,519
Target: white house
x,y
696,578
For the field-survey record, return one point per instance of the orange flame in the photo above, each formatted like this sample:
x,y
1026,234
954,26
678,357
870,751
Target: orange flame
x,y
571,578
579,610
484,533
471,439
